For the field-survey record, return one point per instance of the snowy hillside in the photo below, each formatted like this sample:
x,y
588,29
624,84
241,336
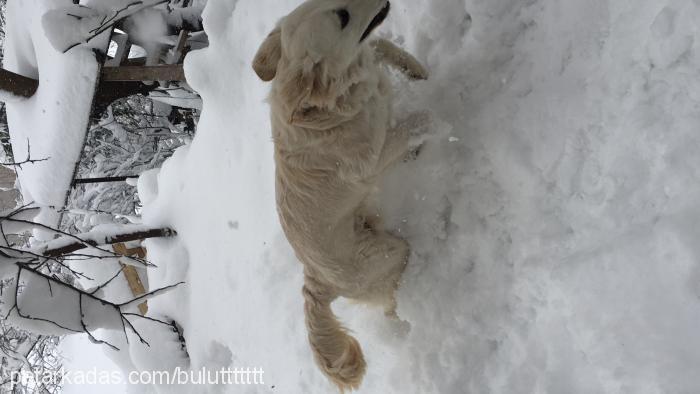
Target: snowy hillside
x,y
554,227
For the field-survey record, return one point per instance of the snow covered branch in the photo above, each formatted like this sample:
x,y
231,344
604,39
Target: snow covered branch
x,y
68,243
37,299
43,303
65,245
87,23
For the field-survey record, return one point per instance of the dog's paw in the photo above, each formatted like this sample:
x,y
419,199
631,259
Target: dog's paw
x,y
424,126
419,125
417,121
415,71
413,153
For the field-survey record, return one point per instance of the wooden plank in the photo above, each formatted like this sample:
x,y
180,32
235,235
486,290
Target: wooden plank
x,y
135,284
131,274
169,72
19,85
134,61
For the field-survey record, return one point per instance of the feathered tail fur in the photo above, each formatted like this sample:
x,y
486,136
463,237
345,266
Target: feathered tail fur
x,y
337,354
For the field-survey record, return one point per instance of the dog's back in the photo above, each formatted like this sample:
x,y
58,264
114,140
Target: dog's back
x,y
322,175
330,111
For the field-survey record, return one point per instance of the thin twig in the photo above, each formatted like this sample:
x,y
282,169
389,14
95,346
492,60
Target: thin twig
x,y
148,318
136,332
107,282
150,294
29,159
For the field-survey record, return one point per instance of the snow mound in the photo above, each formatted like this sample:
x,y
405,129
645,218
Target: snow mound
x,y
51,124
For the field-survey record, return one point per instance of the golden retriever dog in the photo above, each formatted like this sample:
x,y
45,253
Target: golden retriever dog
x,y
331,124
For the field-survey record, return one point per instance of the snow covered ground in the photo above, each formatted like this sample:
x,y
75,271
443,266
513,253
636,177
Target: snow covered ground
x,y
554,230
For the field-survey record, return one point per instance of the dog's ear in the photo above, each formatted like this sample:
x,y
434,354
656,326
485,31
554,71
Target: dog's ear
x,y
268,56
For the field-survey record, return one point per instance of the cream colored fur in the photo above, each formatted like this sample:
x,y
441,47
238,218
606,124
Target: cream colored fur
x,y
331,110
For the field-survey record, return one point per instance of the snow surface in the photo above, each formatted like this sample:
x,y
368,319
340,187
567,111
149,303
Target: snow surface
x,y
554,231
81,355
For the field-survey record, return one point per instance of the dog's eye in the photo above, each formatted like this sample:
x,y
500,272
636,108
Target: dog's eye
x,y
344,16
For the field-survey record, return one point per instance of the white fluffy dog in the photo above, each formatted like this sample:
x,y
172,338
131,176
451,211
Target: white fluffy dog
x,y
331,111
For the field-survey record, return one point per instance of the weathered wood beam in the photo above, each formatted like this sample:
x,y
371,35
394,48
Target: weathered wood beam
x,y
112,239
169,72
134,61
16,84
110,91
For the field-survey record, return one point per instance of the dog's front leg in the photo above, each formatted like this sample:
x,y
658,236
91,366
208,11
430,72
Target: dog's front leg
x,y
396,57
403,137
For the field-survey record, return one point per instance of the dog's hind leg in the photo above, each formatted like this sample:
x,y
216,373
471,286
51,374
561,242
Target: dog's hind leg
x,y
382,259
394,56
367,215
402,138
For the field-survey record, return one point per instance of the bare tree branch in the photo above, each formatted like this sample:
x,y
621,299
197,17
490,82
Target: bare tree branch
x,y
151,294
84,243
28,160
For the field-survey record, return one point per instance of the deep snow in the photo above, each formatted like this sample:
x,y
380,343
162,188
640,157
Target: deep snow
x,y
553,230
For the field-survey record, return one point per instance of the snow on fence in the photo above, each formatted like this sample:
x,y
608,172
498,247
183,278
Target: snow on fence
x,y
51,97
52,92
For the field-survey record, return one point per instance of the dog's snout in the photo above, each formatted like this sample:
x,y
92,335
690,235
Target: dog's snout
x,y
377,20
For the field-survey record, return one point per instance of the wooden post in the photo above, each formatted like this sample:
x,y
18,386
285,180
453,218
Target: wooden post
x,y
123,48
16,84
178,51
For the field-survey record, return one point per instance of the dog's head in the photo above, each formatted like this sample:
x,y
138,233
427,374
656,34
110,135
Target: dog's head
x,y
320,31
314,49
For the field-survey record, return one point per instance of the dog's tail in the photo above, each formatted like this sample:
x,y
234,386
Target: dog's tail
x,y
337,354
